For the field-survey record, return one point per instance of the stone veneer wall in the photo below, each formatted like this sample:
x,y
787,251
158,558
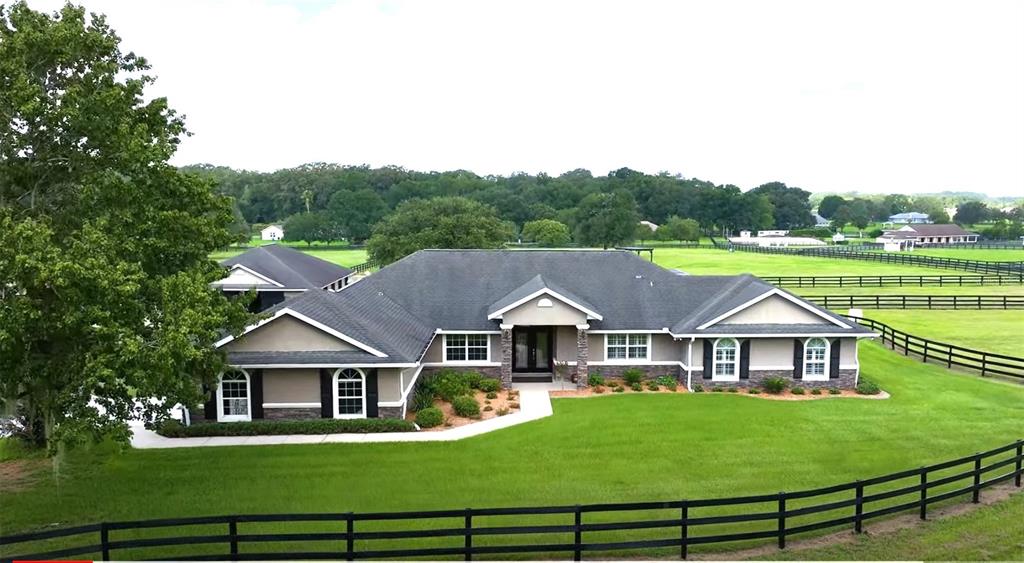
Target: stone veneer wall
x,y
650,372
847,380
291,413
490,371
389,412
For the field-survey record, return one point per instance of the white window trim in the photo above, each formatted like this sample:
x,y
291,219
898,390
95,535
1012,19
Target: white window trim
x,y
627,361
334,393
736,361
221,417
828,361
467,361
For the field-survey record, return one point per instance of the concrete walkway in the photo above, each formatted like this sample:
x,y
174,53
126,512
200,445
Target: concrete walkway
x,y
534,404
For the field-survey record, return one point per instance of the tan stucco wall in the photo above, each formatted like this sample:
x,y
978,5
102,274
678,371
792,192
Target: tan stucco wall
x,y
664,348
388,385
774,309
595,345
771,352
565,343
530,314
286,334
291,386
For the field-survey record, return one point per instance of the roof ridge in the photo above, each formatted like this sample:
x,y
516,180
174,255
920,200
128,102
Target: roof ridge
x,y
725,293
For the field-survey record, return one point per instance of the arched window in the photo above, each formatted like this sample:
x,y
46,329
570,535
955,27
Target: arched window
x,y
726,360
233,397
349,393
816,359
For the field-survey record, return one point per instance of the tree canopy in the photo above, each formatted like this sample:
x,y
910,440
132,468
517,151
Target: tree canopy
x,y
606,220
443,222
547,232
103,245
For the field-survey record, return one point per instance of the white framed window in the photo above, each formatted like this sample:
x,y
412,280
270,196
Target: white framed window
x,y
233,397
816,359
726,363
467,348
349,393
624,347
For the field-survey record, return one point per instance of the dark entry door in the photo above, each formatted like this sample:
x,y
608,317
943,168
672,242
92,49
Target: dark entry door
x,y
531,349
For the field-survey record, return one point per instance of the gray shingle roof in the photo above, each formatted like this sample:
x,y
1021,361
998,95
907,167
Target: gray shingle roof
x,y
533,285
289,267
304,358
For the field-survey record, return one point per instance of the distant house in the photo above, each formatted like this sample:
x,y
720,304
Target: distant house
x,y
820,221
909,217
774,238
649,225
772,233
272,232
912,235
278,272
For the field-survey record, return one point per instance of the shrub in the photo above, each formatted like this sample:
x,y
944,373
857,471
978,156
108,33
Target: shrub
x,y
491,395
637,387
816,391
501,412
487,401
429,417
717,389
667,381
598,389
733,390
423,396
774,385
514,405
618,389
281,427
595,380
451,384
488,408
652,386
632,376
473,379
834,391
466,406
867,387
489,386
874,233
797,390
698,388
753,390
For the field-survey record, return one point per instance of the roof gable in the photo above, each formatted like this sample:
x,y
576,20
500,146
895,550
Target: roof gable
x,y
534,288
291,268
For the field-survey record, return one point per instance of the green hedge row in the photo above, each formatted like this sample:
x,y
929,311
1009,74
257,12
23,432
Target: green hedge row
x,y
174,429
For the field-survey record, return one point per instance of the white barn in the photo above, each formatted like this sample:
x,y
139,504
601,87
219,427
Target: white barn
x,y
272,232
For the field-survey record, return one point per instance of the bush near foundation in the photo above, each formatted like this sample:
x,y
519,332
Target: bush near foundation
x,y
429,417
174,429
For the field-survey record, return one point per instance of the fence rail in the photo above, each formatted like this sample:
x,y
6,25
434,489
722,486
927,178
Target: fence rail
x,y
979,266
368,265
676,524
985,363
974,302
893,281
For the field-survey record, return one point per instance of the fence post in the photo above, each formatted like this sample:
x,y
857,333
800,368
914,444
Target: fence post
x,y
105,533
684,531
924,494
1020,456
858,509
577,553
233,532
350,542
925,360
984,362
468,552
976,494
782,520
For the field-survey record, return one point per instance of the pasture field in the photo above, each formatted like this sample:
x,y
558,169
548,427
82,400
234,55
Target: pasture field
x,y
691,446
340,255
912,290
1001,332
713,261
986,254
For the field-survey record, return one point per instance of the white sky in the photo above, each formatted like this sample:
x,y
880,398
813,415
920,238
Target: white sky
x,y
829,96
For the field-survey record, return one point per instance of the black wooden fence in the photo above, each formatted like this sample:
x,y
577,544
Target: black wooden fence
x,y
569,531
974,302
368,265
892,281
979,266
985,363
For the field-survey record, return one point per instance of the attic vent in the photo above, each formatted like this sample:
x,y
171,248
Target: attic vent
x,y
545,303
638,276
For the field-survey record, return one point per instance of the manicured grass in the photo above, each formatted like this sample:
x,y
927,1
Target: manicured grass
x,y
1001,332
710,261
992,533
613,448
339,255
912,290
989,254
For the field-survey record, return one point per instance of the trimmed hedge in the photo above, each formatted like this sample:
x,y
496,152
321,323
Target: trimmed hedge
x,y
466,406
174,429
429,417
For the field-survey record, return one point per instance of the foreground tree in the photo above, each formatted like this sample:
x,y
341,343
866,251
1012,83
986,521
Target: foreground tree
x,y
547,232
306,227
105,295
605,220
444,222
679,229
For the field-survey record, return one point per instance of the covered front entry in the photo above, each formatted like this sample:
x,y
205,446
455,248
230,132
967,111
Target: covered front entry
x,y
532,349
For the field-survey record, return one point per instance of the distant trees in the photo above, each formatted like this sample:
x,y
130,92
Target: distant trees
x,y
443,222
679,229
606,220
356,212
829,204
547,232
791,206
307,228
971,212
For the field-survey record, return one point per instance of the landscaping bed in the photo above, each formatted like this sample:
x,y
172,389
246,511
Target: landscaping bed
x,y
632,381
452,398
174,429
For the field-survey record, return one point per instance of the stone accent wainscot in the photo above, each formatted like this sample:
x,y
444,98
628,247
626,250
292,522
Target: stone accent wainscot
x,y
650,372
304,413
389,412
490,371
846,380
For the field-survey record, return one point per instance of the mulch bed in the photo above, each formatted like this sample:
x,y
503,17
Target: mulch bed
x,y
507,399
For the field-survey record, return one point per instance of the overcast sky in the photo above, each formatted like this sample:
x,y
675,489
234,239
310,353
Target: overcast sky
x,y
829,96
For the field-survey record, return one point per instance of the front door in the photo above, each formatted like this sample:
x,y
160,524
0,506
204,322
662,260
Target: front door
x,y
532,349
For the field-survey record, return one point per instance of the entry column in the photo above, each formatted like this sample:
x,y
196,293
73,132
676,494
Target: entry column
x,y
506,355
582,353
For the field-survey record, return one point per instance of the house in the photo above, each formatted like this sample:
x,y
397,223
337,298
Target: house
x,y
820,221
929,234
779,233
649,225
272,232
774,238
278,272
910,217
512,315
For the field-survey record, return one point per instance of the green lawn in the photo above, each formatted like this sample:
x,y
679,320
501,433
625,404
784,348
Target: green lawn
x,y
710,261
337,254
992,533
1001,332
614,448
913,290
989,254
